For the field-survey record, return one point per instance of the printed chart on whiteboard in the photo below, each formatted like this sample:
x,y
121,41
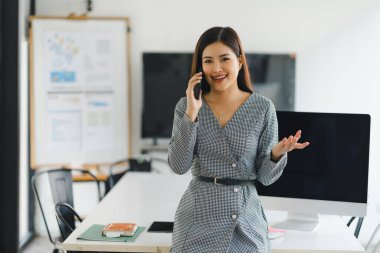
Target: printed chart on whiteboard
x,y
80,96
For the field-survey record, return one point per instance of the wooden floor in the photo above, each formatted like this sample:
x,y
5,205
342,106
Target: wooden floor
x,y
39,245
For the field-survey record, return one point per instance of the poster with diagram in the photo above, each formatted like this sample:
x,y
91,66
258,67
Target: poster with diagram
x,y
79,91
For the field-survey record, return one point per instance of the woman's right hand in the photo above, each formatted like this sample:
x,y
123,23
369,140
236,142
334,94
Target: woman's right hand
x,y
193,105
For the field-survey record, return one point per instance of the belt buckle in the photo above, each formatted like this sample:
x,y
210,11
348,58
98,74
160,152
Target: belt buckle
x,y
215,180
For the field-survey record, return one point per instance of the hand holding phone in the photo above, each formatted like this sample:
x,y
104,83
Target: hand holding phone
x,y
197,89
193,94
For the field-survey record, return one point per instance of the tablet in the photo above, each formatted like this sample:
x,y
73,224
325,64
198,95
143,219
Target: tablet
x,y
161,227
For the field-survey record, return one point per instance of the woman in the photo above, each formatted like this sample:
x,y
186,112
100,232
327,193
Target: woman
x,y
228,138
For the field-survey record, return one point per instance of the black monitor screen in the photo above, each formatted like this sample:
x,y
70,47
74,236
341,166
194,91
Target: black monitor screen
x,y
165,81
165,78
335,165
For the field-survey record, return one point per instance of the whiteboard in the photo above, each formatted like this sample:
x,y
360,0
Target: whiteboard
x,y
79,94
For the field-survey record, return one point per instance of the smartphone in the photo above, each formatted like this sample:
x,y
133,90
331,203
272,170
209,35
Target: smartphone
x,y
161,227
198,88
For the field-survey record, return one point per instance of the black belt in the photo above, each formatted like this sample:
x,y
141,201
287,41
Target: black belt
x,y
224,181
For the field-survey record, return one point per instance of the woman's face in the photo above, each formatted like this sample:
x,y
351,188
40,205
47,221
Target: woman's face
x,y
220,66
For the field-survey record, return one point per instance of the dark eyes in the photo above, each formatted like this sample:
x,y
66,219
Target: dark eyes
x,y
223,59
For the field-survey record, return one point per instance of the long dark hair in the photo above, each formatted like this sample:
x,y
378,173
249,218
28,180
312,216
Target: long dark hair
x,y
230,38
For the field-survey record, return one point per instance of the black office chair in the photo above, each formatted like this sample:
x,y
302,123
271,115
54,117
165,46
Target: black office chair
x,y
142,164
115,173
358,225
66,216
61,186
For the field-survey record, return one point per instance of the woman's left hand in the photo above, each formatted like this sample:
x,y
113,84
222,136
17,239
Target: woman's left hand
x,y
287,145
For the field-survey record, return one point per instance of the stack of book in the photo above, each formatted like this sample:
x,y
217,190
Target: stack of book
x,y
119,229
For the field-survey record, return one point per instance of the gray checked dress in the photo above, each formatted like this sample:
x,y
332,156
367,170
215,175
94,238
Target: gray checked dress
x,y
221,218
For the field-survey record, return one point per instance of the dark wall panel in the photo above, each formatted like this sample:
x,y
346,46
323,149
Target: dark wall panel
x,y
9,126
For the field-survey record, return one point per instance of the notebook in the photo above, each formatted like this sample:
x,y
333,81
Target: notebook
x,y
94,233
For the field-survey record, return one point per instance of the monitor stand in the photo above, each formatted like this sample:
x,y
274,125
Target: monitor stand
x,y
299,222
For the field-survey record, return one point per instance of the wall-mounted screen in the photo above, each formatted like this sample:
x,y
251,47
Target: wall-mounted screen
x,y
165,78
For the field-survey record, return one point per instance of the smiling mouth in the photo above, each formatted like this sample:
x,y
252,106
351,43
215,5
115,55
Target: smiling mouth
x,y
219,78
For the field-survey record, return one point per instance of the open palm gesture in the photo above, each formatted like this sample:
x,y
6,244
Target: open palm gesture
x,y
287,145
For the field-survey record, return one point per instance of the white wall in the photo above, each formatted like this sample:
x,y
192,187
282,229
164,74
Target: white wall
x,y
172,25
336,42
341,73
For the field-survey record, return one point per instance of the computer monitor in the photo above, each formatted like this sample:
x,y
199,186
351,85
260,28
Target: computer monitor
x,y
330,176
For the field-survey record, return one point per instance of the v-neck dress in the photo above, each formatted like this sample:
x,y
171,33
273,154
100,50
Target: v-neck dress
x,y
221,218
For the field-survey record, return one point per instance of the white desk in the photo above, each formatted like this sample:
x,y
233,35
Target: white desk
x,y
147,197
